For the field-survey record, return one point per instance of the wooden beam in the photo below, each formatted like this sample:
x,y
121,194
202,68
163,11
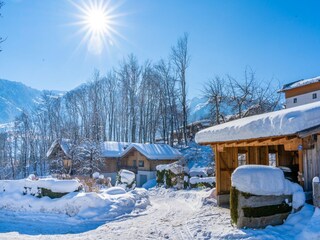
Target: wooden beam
x,y
220,148
300,160
217,165
292,145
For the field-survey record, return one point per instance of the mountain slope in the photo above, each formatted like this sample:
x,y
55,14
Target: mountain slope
x,y
199,109
14,97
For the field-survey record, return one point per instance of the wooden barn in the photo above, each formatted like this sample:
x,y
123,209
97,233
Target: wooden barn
x,y
289,139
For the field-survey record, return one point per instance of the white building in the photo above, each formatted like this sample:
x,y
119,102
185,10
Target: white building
x,y
302,92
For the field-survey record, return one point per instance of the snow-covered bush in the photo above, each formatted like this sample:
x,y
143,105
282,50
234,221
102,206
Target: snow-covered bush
x,y
95,175
126,179
202,182
171,175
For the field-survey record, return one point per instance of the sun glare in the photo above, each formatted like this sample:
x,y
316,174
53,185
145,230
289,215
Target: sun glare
x,y
97,20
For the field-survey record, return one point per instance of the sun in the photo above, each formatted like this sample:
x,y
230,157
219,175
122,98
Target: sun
x,y
97,20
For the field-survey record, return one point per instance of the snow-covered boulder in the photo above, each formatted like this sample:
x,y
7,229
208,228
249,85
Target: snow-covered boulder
x,y
260,196
126,179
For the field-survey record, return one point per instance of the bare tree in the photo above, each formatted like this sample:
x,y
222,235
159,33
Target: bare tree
x,y
181,59
242,92
215,91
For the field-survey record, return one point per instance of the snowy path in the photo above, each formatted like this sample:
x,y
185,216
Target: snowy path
x,y
181,215
173,215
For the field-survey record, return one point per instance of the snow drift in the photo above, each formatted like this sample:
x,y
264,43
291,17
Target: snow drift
x,y
107,204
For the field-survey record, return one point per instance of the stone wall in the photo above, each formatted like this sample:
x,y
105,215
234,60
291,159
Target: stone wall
x,y
255,211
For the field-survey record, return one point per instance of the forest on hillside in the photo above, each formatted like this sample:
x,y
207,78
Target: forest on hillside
x,y
134,102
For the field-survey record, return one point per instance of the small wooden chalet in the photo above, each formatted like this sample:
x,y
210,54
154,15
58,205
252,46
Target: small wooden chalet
x,y
60,151
139,158
289,139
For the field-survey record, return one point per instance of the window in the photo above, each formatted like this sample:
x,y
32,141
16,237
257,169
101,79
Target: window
x,y
242,159
272,159
314,96
134,163
295,100
141,163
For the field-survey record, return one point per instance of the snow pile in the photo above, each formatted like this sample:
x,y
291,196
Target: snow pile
x,y
312,231
107,204
266,180
126,179
150,184
52,184
278,123
127,176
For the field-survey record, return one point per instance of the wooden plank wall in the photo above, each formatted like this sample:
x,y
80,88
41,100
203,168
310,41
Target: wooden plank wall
x,y
311,164
227,161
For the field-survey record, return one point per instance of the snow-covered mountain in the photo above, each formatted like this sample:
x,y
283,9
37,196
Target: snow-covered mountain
x,y
199,109
14,97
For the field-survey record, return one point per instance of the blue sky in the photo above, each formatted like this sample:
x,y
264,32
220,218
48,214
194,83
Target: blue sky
x,y
279,40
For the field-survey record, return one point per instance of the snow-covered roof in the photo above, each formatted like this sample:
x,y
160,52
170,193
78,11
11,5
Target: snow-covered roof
x,y
279,123
155,151
151,151
299,83
64,143
113,149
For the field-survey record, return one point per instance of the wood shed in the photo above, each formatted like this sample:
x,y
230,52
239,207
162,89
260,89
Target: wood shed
x,y
287,138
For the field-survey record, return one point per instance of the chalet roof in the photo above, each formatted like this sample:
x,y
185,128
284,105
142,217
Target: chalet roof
x,y
279,123
113,149
299,83
65,145
154,151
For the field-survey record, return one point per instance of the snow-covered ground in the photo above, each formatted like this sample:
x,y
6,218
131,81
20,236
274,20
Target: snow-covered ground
x,y
183,214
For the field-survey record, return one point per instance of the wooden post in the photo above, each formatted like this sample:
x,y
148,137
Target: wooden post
x,y
217,165
300,174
